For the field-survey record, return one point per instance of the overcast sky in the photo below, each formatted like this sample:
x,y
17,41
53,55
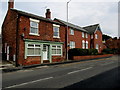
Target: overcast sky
x,y
82,13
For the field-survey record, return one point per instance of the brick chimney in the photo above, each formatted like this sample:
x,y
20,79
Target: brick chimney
x,y
10,4
48,14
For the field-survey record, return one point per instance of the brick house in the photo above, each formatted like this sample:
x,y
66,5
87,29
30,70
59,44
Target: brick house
x,y
95,36
112,43
31,39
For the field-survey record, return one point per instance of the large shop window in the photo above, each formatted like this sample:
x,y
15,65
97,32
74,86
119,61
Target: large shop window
x,y
56,50
33,50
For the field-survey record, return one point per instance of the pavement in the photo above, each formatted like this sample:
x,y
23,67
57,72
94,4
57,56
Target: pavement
x,y
7,66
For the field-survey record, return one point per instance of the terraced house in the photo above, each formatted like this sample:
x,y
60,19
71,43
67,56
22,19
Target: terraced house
x,y
31,39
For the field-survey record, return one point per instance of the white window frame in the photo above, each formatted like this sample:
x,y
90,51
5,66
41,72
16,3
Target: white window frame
x,y
56,48
96,36
58,26
83,34
83,44
97,47
35,21
86,35
72,44
34,49
71,31
91,36
86,44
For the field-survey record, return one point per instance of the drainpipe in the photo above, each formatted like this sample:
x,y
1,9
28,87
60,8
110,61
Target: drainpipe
x,y
17,50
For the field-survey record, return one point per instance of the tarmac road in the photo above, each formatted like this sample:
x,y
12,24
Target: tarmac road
x,y
99,73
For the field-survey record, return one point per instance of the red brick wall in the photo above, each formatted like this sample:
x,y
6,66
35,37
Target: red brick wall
x,y
90,57
9,33
45,33
57,58
32,60
77,38
98,41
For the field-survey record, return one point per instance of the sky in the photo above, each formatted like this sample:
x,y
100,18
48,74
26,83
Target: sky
x,y
81,13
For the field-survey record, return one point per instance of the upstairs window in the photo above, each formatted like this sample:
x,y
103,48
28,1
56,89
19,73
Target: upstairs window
x,y
83,34
96,36
91,36
56,31
34,26
72,44
71,31
86,35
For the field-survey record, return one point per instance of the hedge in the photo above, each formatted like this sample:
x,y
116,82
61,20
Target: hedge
x,y
82,52
111,51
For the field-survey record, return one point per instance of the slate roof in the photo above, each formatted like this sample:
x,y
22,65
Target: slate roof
x,y
72,25
35,16
92,28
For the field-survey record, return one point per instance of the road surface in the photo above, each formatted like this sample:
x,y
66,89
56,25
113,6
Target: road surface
x,y
99,73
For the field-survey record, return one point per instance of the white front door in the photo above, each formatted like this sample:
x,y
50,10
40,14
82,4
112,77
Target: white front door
x,y
45,52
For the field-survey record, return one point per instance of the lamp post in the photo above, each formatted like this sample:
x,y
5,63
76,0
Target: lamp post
x,y
67,29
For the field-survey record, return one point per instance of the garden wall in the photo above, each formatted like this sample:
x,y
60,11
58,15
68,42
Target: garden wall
x,y
90,57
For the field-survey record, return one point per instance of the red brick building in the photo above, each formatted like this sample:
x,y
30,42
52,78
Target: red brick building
x,y
30,39
112,43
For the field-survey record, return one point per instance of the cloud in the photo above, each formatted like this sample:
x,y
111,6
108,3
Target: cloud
x,y
80,13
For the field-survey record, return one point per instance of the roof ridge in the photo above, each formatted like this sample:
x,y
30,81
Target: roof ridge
x,y
91,25
72,25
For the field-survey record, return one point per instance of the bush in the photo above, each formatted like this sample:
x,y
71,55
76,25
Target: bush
x,y
107,51
81,52
92,51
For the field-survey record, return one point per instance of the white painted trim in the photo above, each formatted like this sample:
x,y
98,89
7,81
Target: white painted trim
x,y
56,37
34,34
57,48
34,20
56,25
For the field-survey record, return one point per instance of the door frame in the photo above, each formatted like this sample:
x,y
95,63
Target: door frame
x,y
49,53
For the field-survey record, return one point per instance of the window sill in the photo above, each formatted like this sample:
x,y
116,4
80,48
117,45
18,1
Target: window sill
x,y
33,55
55,37
34,34
72,34
56,55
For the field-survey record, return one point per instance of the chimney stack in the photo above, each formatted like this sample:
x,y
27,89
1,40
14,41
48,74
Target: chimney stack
x,y
48,14
10,4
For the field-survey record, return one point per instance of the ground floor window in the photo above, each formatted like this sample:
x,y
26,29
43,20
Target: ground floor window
x,y
97,47
33,50
72,44
83,44
86,44
56,50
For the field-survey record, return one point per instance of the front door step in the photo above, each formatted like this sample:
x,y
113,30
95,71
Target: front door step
x,y
46,61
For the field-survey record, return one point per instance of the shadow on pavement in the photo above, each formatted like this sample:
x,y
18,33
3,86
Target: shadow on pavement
x,y
107,79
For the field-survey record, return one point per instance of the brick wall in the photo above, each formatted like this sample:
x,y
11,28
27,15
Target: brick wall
x,y
9,33
45,33
90,57
98,41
